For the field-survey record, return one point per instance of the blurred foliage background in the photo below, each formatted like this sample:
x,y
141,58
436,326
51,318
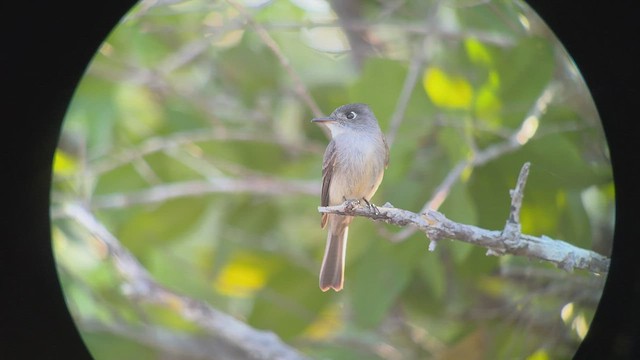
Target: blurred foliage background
x,y
189,139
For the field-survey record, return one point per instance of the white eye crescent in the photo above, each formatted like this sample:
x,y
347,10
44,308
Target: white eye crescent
x,y
351,115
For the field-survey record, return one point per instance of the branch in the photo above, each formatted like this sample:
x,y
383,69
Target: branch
x,y
510,241
298,85
359,39
171,344
165,192
247,342
515,141
180,139
512,229
416,64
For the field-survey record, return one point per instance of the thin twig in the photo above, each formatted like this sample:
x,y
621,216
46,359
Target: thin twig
x,y
417,63
162,193
512,228
298,85
405,95
516,140
171,344
162,143
411,28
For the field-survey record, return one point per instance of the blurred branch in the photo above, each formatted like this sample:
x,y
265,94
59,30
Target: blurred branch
x,y
520,317
368,347
298,85
417,63
162,143
359,38
139,286
171,344
162,193
436,226
584,290
493,38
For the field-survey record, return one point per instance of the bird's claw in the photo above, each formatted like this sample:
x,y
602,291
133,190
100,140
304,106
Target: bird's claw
x,y
372,207
351,204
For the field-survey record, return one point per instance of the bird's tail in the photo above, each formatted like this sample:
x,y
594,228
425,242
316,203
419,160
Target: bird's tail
x,y
332,270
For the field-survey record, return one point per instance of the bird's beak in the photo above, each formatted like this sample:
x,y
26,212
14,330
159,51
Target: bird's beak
x,y
324,119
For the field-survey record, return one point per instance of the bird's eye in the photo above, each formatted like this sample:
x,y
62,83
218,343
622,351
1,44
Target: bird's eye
x,y
352,115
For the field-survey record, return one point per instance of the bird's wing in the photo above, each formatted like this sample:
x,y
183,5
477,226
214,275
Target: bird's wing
x,y
386,152
327,173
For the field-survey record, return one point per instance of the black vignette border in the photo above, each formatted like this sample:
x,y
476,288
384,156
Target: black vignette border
x,y
46,48
600,38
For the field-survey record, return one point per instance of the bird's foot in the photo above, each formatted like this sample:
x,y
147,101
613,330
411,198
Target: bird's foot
x,y
372,206
351,204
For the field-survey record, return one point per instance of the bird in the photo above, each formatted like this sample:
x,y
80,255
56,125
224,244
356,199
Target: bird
x,y
352,170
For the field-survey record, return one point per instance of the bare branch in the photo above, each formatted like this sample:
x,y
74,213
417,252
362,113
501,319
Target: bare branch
x,y
161,193
407,89
359,39
410,80
140,286
163,143
437,227
417,28
512,229
172,344
516,140
298,85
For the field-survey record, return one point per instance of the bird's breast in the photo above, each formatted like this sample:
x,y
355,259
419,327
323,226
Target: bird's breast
x,y
358,169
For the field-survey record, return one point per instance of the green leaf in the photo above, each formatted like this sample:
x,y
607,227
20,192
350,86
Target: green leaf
x,y
459,204
379,277
556,166
162,262
161,224
476,265
485,17
524,71
556,162
93,114
380,78
453,142
106,346
244,77
139,114
432,272
289,302
119,180
574,224
143,47
169,317
252,214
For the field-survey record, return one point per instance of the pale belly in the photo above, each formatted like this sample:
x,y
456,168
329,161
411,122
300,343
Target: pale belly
x,y
356,177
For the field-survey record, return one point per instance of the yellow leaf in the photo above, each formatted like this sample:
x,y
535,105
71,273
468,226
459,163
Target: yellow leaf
x,y
580,325
567,312
64,164
326,325
242,276
448,91
141,115
538,355
488,105
477,52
